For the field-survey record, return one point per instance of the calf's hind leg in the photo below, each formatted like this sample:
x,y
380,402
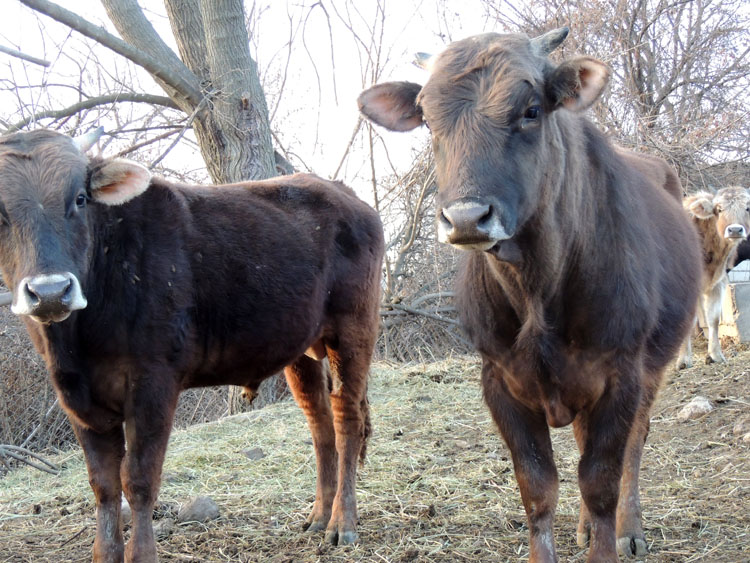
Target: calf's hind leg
x,y
349,359
309,386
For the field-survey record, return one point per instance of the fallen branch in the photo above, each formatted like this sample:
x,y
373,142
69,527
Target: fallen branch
x,y
22,455
427,314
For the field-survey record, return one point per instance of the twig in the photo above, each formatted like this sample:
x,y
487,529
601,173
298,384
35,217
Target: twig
x,y
188,125
147,142
74,536
41,423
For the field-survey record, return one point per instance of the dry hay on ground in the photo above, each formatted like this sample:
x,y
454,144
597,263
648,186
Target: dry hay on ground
x,y
438,484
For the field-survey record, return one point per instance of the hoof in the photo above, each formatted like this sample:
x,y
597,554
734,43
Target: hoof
x,y
334,537
632,547
317,520
315,526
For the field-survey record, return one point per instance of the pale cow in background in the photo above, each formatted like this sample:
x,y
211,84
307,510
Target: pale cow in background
x,y
723,222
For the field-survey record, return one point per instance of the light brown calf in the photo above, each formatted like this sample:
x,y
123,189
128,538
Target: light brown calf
x,y
723,222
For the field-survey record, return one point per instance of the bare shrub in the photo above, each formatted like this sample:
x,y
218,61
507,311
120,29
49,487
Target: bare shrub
x,y
419,320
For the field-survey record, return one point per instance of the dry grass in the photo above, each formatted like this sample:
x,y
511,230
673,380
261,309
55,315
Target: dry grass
x,y
438,484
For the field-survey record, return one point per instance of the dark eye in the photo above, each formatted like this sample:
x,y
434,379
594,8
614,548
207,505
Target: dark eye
x,y
533,112
81,200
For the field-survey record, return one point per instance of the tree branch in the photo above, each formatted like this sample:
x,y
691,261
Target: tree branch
x,y
185,91
92,103
24,56
187,28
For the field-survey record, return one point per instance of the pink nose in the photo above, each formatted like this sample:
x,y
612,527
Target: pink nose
x,y
466,222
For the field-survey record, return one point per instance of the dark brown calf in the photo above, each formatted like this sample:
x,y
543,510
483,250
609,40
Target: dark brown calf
x,y
571,285
135,288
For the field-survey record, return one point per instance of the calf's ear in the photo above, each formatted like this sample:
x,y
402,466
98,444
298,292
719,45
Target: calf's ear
x,y
576,83
392,105
700,207
113,182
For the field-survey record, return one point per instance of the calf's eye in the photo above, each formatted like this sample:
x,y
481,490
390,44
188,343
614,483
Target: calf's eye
x,y
533,112
81,200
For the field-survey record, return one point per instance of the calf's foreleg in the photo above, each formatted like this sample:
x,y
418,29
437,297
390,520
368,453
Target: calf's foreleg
x,y
711,304
527,435
603,432
104,453
148,422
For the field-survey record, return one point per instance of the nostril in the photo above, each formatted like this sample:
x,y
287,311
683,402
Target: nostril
x,y
443,216
31,295
486,217
67,294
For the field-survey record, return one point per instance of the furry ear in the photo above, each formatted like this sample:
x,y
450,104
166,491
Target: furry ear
x,y
392,105
576,83
425,61
700,205
113,182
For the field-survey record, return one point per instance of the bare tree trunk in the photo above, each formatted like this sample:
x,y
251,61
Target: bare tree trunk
x,y
238,100
232,127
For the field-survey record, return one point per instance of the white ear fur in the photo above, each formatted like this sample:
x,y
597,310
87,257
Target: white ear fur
x,y
593,76
119,180
700,206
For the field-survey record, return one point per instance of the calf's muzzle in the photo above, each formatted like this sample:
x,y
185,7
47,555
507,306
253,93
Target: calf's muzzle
x,y
735,231
48,298
470,224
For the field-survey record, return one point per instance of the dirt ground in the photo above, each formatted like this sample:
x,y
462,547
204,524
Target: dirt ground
x,y
437,486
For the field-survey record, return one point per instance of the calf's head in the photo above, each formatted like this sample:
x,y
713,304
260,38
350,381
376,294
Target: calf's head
x,y
48,192
491,104
728,212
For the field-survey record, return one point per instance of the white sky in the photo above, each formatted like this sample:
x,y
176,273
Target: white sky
x,y
315,122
